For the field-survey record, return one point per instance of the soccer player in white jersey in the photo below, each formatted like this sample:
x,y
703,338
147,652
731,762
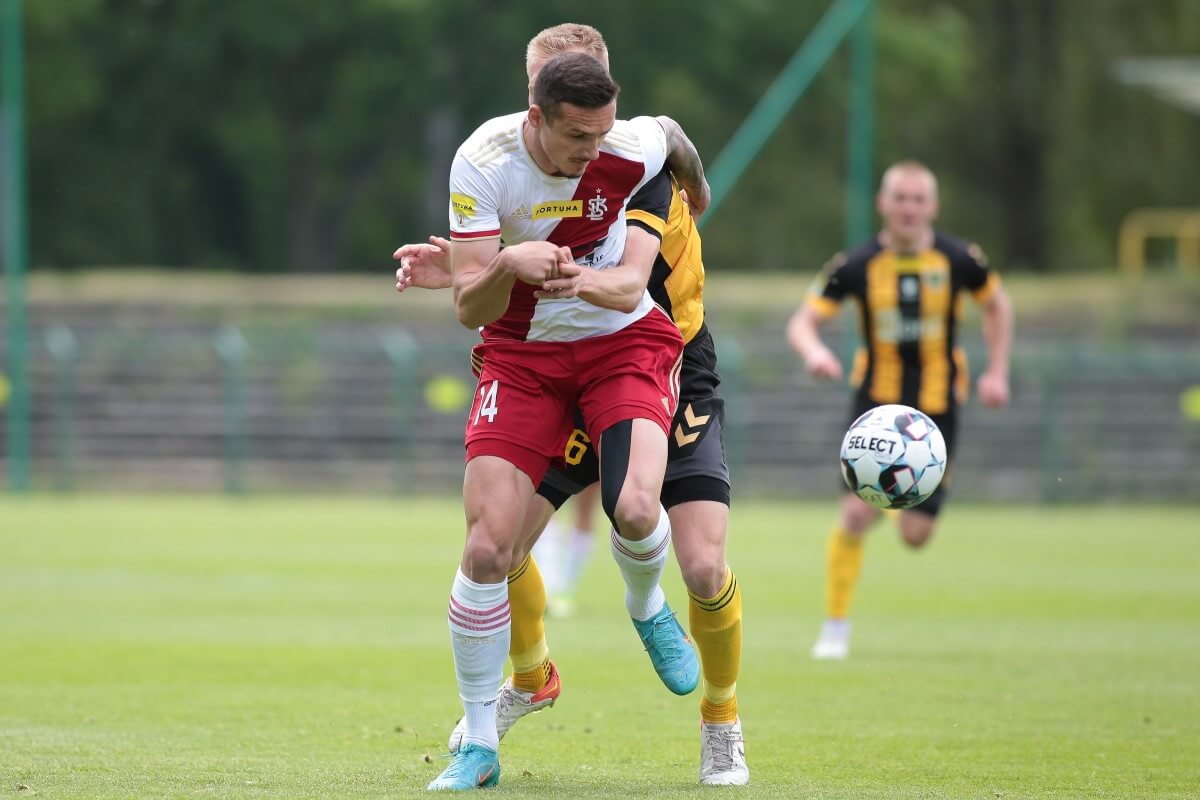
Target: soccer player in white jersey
x,y
552,183
695,494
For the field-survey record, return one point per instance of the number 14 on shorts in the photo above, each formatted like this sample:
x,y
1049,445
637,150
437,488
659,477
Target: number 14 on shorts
x,y
487,402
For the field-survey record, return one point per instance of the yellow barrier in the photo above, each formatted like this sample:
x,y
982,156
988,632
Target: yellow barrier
x,y
1181,224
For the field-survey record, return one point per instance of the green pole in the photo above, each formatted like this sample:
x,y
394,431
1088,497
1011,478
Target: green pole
x,y
860,146
779,99
232,348
16,247
402,351
64,349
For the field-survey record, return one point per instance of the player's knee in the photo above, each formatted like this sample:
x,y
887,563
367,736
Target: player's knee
x,y
703,576
637,512
857,517
916,533
916,539
489,562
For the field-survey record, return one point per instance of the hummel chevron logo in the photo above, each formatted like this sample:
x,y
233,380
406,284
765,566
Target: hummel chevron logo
x,y
693,424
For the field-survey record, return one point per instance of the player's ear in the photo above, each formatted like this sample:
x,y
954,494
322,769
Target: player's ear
x,y
536,117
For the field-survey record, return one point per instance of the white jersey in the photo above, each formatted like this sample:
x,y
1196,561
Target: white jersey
x,y
497,191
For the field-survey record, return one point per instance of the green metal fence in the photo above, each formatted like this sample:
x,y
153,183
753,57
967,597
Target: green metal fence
x,y
370,407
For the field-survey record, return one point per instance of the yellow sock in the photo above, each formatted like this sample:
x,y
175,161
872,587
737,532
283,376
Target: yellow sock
x,y
843,563
528,650
716,625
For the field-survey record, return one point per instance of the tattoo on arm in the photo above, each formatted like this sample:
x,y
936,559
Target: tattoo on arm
x,y
681,153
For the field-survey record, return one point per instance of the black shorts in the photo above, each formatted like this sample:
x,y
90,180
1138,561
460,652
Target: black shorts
x,y
696,464
948,424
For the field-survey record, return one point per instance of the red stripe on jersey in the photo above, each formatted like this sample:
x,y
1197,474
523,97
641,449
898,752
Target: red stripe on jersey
x,y
474,234
604,187
517,317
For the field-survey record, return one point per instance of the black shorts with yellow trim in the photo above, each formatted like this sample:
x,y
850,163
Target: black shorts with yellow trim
x,y
697,468
948,424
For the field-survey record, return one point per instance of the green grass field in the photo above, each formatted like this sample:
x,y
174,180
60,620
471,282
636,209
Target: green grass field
x,y
167,647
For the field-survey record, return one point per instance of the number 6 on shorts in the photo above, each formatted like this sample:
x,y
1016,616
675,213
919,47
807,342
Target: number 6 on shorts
x,y
487,402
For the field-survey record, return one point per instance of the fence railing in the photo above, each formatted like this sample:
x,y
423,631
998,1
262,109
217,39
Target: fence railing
x,y
370,407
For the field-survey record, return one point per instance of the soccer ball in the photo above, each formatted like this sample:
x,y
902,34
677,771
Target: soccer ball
x,y
893,456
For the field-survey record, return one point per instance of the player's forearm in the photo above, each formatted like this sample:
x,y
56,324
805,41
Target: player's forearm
x,y
684,161
482,297
998,331
803,334
620,288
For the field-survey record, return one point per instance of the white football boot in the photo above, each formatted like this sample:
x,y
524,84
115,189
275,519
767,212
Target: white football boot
x,y
834,641
723,754
511,705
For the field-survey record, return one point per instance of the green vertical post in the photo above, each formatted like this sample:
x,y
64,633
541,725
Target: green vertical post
x,y
860,144
231,347
402,351
731,362
860,154
1050,369
16,245
64,349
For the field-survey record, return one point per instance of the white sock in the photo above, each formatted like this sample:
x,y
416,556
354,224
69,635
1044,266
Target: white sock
x,y
641,564
547,552
579,549
836,627
480,630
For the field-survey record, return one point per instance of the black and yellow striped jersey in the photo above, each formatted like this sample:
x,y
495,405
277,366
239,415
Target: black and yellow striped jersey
x,y
677,281
909,307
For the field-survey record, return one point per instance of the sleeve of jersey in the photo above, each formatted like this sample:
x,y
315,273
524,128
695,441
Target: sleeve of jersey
x,y
653,140
977,277
474,206
651,205
829,289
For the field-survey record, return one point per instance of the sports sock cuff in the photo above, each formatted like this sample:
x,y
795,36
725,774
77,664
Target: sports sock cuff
x,y
722,598
652,546
468,590
478,609
520,569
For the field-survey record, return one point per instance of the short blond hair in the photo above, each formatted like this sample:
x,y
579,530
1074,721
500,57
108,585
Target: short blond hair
x,y
910,167
563,39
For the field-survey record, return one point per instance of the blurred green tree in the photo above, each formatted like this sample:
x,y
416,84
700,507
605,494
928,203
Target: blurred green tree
x,y
297,135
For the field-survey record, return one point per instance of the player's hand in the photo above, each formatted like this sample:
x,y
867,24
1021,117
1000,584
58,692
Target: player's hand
x,y
571,280
993,389
537,262
697,197
822,363
425,266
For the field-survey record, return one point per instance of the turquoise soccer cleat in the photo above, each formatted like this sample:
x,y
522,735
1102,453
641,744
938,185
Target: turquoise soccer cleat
x,y
473,767
670,650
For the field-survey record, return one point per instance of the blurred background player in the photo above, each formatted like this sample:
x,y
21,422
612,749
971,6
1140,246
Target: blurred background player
x,y
907,282
563,550
696,489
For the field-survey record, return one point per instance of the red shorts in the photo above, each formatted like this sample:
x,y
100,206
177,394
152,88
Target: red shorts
x,y
524,406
